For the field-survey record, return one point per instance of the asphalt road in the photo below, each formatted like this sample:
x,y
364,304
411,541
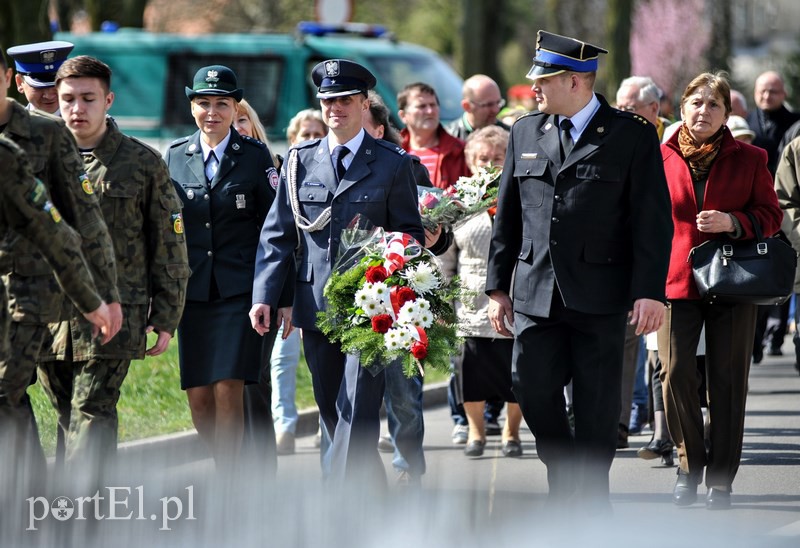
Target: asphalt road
x,y
463,502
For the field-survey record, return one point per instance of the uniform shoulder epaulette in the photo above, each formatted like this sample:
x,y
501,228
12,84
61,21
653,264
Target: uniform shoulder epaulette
x,y
254,142
530,114
391,146
307,144
632,116
179,141
144,145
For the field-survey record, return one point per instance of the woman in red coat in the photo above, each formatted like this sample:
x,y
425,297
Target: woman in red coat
x,y
713,180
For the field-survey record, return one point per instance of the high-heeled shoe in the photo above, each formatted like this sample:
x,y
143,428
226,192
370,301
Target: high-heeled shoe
x,y
658,448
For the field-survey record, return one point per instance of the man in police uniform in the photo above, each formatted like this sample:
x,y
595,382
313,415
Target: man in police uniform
x,y
377,182
143,214
25,208
584,228
36,66
35,296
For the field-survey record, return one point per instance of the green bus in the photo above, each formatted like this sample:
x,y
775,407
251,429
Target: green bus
x,y
151,71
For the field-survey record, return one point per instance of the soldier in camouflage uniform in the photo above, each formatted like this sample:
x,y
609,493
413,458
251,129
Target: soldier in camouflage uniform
x,y
25,208
35,298
143,213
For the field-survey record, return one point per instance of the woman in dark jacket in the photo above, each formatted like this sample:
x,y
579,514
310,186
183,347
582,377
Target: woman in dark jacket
x,y
714,181
227,184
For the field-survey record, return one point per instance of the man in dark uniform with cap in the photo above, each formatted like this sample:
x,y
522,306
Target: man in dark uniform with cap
x,y
583,227
324,184
36,66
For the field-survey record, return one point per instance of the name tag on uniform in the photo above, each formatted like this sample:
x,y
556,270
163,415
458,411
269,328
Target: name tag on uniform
x,y
529,155
241,203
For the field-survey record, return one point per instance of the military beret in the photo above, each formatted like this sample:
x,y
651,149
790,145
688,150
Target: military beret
x,y
340,77
216,80
556,54
39,62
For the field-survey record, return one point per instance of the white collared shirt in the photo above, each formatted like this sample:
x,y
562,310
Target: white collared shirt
x,y
218,150
352,146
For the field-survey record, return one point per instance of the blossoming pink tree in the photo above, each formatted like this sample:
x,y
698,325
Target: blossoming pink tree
x,y
669,39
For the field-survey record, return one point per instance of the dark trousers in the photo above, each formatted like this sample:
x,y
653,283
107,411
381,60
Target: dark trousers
x,y
729,345
349,398
548,353
258,443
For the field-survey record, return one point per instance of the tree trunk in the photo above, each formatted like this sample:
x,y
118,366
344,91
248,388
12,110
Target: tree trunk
x,y
483,38
617,66
719,51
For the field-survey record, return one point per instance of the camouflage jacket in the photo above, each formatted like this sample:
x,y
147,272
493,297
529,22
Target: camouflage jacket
x,y
143,214
26,208
34,294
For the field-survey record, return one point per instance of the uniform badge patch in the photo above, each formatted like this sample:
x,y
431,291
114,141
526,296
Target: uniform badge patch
x,y
38,193
332,68
190,194
235,146
177,223
272,175
86,184
51,209
241,202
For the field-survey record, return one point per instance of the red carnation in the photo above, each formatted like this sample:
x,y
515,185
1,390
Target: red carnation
x,y
419,350
381,323
376,274
405,294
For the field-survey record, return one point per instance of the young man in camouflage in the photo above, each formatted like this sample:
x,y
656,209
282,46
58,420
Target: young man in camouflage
x,y
35,298
143,213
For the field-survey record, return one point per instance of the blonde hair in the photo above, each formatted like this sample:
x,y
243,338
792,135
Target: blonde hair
x,y
308,114
494,136
246,109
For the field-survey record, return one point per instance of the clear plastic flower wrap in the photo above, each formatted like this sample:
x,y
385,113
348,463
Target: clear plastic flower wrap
x,y
469,196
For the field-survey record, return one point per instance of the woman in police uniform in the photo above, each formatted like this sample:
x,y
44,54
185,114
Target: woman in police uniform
x,y
227,183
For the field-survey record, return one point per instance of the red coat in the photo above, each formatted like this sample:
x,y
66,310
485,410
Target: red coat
x,y
451,162
739,181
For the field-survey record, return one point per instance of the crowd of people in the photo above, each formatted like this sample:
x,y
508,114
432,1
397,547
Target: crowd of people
x,y
580,315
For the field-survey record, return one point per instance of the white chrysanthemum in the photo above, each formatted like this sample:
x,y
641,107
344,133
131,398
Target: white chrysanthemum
x,y
423,305
397,338
408,313
373,308
422,279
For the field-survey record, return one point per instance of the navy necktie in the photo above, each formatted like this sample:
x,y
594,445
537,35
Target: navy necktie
x,y
337,157
211,166
566,137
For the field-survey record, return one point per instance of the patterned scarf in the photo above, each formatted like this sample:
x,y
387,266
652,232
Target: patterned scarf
x,y
700,157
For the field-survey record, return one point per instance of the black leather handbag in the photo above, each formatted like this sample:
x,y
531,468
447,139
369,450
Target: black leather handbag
x,y
759,271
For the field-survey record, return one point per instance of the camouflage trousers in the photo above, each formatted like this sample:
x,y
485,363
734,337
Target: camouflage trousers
x,y
85,396
22,460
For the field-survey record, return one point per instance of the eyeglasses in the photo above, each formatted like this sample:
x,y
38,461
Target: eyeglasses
x,y
489,104
633,108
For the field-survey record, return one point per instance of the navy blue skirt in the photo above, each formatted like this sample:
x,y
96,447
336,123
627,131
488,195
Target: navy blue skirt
x,y
216,342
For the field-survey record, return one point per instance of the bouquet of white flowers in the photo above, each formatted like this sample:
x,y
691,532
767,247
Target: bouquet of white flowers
x,y
468,197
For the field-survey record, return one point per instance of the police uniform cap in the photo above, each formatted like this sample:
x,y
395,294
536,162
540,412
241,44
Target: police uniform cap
x,y
39,62
217,81
556,54
340,77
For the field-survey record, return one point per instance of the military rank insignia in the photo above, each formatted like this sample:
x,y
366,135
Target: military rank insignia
x,y
177,223
51,209
86,184
38,194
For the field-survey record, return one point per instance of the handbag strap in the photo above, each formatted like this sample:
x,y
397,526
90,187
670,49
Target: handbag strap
x,y
756,226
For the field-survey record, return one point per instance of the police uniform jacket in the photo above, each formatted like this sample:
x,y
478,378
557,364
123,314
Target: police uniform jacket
x,y
143,214
34,294
379,185
596,229
25,207
222,218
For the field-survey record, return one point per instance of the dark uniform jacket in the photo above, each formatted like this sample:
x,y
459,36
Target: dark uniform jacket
x,y
379,185
222,218
597,229
143,214
34,294
25,207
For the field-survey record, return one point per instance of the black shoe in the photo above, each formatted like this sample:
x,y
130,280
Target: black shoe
x,y
622,437
656,449
685,492
512,448
758,354
717,499
474,448
775,352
